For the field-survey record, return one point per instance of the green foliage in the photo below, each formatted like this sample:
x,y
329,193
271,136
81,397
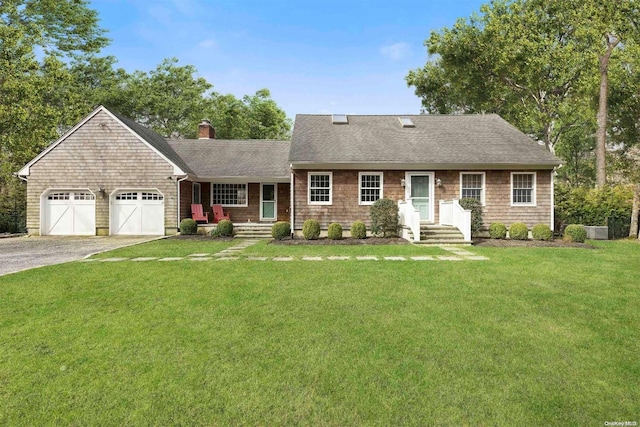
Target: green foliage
x,y
225,228
311,229
541,232
475,206
594,206
575,233
188,227
384,217
358,230
281,230
518,231
498,230
334,231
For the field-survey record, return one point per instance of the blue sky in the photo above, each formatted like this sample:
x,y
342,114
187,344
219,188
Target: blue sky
x,y
315,57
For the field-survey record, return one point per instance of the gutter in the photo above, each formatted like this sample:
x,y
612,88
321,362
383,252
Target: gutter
x,y
178,181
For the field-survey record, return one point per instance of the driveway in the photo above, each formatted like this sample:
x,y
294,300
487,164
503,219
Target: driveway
x,y
23,253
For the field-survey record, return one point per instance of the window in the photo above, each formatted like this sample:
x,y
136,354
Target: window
x,y
339,119
196,194
472,185
523,188
58,196
127,196
83,196
229,194
320,188
370,187
151,196
406,122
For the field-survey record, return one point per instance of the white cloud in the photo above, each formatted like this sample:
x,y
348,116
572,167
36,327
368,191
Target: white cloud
x,y
207,44
396,51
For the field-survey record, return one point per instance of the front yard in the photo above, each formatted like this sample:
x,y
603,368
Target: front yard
x,y
531,336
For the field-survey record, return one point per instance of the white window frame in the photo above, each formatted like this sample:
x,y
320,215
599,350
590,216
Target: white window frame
x,y
482,189
533,189
360,175
196,190
330,175
246,196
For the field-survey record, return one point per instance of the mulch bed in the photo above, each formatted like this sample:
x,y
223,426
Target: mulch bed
x,y
508,243
200,237
345,241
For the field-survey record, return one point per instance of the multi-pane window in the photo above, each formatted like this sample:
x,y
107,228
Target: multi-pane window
x,y
370,187
320,188
196,194
229,194
151,196
127,196
472,186
59,196
523,188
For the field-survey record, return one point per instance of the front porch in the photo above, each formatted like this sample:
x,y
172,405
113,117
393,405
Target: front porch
x,y
454,227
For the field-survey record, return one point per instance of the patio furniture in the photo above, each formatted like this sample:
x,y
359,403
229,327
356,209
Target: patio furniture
x,y
218,214
198,215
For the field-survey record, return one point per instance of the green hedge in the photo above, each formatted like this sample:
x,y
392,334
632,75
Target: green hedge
x,y
281,230
384,217
334,232
311,229
358,230
518,231
475,206
497,230
541,232
188,227
224,228
575,233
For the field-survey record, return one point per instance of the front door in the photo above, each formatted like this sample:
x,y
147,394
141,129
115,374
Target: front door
x,y
268,202
419,190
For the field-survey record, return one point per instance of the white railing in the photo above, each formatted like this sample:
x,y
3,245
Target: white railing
x,y
409,217
451,213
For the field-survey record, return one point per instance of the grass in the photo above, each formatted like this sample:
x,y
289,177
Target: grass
x,y
169,248
539,336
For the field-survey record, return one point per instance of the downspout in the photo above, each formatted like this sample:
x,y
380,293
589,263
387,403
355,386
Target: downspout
x,y
178,181
553,211
292,202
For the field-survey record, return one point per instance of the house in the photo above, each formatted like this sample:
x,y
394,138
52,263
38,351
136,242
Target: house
x,y
109,175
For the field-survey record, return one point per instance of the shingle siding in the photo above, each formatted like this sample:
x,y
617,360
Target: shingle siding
x,y
101,153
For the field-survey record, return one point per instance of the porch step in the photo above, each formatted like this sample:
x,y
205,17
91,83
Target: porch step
x,y
252,231
440,235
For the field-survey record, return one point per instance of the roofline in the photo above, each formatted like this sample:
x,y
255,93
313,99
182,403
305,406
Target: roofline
x,y
242,179
424,166
25,170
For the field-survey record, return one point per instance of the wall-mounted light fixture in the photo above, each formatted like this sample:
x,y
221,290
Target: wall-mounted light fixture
x,y
439,182
101,191
403,183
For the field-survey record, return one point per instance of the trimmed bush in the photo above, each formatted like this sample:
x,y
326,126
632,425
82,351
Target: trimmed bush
x,y
475,206
225,228
384,218
188,227
541,232
518,231
497,230
575,233
281,230
335,231
311,229
358,230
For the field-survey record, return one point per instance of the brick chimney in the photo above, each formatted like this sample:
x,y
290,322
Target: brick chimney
x,y
205,130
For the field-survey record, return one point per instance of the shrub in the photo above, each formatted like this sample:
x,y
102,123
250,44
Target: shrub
x,y
280,230
518,231
541,232
358,230
225,228
475,206
311,229
575,233
335,231
497,230
384,217
188,226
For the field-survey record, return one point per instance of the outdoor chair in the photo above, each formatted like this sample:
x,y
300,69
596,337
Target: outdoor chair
x,y
218,214
197,215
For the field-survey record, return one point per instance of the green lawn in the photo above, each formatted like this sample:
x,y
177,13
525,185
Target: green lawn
x,y
530,337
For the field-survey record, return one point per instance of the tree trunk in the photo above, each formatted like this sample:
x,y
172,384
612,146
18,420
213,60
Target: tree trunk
x,y
635,211
603,103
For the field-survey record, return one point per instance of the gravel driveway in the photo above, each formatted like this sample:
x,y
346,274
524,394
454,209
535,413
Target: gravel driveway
x,y
23,253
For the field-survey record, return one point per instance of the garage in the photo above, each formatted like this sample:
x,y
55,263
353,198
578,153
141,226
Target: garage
x,y
137,212
69,213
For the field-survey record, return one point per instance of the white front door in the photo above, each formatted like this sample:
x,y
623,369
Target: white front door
x,y
268,202
419,190
137,213
69,213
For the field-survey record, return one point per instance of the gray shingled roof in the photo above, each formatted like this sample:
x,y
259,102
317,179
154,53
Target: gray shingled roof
x,y
156,140
234,158
462,140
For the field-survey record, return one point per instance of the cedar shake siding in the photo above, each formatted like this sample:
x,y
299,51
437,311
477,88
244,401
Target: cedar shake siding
x,y
101,153
345,208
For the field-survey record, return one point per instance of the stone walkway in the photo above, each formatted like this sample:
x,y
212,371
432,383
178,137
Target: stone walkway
x,y
233,253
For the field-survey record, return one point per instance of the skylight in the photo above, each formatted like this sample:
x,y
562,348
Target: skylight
x,y
406,122
339,119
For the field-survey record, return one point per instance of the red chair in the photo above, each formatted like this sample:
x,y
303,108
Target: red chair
x,y
218,214
197,215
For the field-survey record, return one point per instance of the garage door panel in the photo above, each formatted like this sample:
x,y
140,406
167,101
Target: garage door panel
x,y
69,213
138,213
59,220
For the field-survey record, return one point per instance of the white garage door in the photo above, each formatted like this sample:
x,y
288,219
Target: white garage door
x,y
69,213
137,213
